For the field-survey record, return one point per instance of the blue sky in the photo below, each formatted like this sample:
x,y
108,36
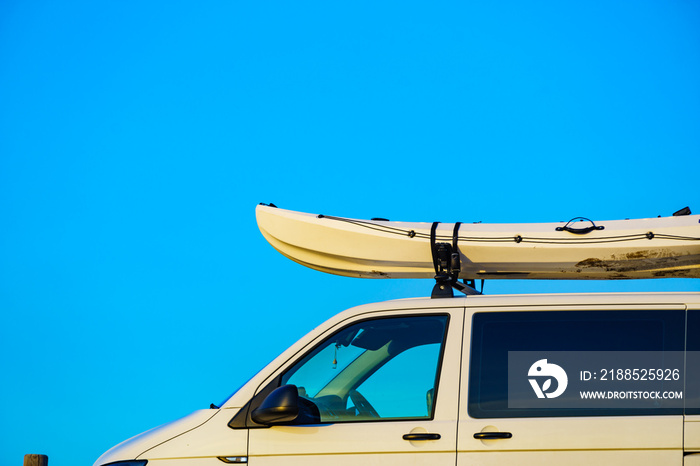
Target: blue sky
x,y
136,139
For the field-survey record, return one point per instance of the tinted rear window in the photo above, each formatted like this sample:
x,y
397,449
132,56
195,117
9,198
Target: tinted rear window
x,y
494,334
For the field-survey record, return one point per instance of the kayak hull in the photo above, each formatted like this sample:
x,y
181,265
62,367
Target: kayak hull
x,y
624,249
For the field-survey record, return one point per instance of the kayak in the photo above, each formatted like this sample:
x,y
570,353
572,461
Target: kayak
x,y
580,249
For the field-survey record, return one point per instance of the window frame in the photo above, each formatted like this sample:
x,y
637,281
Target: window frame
x,y
671,336
278,380
692,372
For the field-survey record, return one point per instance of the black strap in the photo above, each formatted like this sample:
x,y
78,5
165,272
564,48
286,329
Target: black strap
x,y
451,264
433,246
455,237
456,260
448,264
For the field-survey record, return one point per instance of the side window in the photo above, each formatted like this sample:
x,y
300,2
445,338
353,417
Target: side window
x,y
575,363
378,369
413,371
692,385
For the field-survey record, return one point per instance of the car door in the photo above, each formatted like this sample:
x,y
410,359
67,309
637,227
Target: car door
x,y
692,403
574,387
381,389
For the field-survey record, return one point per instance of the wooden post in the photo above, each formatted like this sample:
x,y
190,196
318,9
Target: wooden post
x,y
36,460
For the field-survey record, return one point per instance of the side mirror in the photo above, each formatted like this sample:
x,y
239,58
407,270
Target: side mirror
x,y
280,406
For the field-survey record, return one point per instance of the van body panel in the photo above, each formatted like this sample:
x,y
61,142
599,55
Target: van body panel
x,y
577,433
130,449
205,461
691,299
211,439
345,444
575,458
692,434
362,459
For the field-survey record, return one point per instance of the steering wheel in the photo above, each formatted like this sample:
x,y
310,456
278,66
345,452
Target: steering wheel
x,y
362,405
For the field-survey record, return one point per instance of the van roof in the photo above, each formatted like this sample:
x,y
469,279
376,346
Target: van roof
x,y
691,299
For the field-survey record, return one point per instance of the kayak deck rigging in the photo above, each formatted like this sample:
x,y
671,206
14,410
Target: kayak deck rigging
x,y
448,252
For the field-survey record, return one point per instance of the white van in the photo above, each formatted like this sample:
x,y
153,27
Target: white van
x,y
604,379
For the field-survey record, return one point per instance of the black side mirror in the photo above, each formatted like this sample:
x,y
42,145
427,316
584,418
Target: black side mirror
x,y
280,406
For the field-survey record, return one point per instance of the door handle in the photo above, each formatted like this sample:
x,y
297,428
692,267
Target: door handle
x,y
421,436
492,435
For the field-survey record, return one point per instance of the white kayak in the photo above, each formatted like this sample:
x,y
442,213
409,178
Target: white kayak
x,y
616,249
